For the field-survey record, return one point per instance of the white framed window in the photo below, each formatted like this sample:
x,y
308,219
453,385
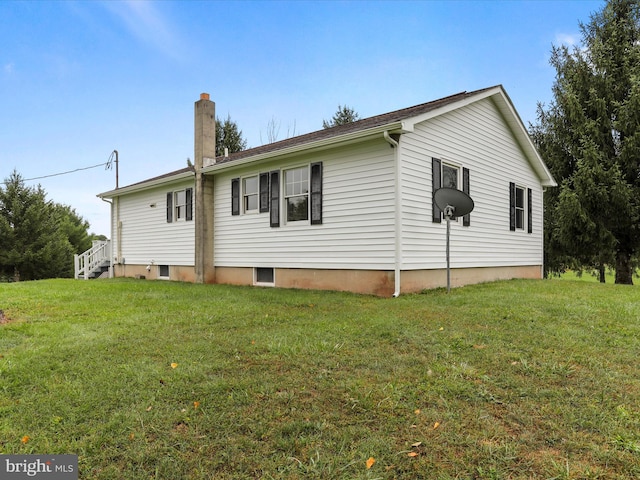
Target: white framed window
x,y
520,208
297,191
450,175
447,174
250,194
296,194
180,205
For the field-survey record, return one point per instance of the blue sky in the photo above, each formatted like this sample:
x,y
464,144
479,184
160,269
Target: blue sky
x,y
79,79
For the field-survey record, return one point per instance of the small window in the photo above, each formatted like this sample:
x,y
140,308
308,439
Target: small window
x,y
450,176
519,208
180,204
296,193
264,276
447,175
250,194
163,271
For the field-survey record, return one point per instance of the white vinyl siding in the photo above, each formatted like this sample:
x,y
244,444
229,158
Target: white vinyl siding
x,y
474,137
357,230
146,235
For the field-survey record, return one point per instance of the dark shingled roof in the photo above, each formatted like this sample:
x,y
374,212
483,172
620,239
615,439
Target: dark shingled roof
x,y
364,124
353,127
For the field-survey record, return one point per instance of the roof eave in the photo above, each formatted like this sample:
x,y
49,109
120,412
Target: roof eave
x,y
145,185
352,137
512,118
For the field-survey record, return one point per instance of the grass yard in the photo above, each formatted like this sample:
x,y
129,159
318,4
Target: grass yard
x,y
142,379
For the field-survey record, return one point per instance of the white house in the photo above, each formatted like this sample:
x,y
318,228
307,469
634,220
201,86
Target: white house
x,y
346,208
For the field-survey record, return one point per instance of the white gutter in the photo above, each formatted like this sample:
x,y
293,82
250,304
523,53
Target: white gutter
x,y
147,184
398,214
307,147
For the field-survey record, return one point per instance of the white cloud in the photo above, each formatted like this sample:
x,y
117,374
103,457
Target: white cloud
x,y
145,21
567,39
8,68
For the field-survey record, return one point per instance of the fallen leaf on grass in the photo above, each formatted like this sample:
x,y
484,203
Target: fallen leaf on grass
x,y
196,405
25,439
370,462
417,412
132,436
436,425
174,365
417,444
149,408
412,454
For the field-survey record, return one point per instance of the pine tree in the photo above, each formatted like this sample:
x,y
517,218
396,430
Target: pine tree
x,y
229,136
343,115
590,138
33,234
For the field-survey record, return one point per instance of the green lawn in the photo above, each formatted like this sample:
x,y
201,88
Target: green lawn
x,y
142,379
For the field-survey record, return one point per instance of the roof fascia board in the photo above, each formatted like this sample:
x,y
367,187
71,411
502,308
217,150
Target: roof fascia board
x,y
509,114
138,187
353,137
513,120
451,107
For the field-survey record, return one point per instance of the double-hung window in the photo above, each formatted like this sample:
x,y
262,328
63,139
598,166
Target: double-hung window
x,y
448,175
520,208
296,194
295,191
250,194
180,205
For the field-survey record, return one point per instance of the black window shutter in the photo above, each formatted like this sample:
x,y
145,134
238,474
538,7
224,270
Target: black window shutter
x,y
436,175
169,207
264,192
512,206
189,198
274,184
235,196
466,220
316,193
529,210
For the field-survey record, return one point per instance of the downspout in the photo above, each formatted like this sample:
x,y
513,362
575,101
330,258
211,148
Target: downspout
x,y
398,213
111,267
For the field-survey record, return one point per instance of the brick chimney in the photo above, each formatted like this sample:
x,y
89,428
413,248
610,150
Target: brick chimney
x,y
204,155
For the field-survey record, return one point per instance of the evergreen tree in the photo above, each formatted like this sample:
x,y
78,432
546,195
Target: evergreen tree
x,y
74,227
342,116
590,138
35,233
229,136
